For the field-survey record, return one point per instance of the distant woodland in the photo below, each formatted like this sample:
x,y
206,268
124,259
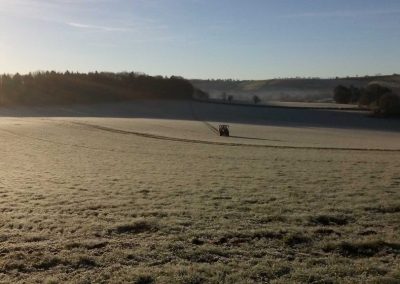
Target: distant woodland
x,y
289,89
379,98
43,88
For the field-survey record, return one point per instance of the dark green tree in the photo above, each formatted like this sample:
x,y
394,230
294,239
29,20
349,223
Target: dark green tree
x,y
342,95
256,99
372,94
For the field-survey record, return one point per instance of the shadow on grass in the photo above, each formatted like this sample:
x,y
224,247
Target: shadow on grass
x,y
363,249
206,112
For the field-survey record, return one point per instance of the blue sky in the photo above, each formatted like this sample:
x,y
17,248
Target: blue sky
x,y
240,39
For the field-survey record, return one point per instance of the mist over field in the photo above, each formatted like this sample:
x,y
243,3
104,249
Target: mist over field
x,y
291,89
127,155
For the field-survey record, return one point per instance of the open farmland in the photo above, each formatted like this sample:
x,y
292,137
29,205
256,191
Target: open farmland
x,y
147,192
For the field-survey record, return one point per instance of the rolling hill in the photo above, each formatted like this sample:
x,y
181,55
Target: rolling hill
x,y
296,89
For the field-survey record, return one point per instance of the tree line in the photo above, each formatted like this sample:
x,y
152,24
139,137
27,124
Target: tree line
x,y
380,99
43,88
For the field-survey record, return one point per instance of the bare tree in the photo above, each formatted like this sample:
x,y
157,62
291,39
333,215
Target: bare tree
x,y
256,99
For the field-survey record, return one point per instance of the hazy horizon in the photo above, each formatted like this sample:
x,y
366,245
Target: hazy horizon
x,y
205,78
253,40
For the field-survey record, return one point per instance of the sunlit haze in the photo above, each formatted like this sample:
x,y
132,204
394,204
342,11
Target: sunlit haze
x,y
254,39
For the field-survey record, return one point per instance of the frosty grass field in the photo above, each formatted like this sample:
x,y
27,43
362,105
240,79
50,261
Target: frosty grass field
x,y
147,192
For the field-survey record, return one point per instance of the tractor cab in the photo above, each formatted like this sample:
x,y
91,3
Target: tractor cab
x,y
224,130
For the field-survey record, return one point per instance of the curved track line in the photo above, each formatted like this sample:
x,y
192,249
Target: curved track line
x,y
216,131
61,143
160,137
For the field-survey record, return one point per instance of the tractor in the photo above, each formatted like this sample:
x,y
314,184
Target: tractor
x,y
224,130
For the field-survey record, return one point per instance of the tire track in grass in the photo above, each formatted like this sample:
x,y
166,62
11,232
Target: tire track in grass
x,y
232,144
216,131
24,136
206,123
184,140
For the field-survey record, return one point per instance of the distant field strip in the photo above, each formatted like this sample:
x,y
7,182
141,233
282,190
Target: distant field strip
x,y
160,137
288,105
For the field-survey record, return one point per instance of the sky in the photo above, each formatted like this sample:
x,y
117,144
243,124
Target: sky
x,y
238,39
